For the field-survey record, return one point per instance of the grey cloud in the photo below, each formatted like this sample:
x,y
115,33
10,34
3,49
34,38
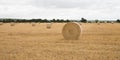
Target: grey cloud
x,y
62,3
15,2
82,4
62,8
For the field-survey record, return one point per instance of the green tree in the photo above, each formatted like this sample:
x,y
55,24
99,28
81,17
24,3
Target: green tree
x,y
118,21
96,21
83,20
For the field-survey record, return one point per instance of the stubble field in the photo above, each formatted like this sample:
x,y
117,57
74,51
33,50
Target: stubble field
x,y
26,42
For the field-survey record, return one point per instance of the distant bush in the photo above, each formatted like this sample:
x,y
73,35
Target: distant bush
x,y
118,21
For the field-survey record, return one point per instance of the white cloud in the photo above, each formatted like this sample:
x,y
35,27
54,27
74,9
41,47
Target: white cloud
x,y
63,9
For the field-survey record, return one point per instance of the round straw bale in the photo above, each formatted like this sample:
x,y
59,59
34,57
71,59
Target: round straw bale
x,y
98,23
33,24
71,31
112,22
49,25
1,23
12,24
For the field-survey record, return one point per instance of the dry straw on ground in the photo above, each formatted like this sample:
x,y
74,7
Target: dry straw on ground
x,y
71,31
23,42
80,23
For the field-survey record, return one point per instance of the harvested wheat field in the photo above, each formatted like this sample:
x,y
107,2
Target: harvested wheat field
x,y
26,42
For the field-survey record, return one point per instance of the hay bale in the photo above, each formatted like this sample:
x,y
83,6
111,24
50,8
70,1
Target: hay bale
x,y
71,31
1,23
12,24
49,25
112,22
98,23
33,24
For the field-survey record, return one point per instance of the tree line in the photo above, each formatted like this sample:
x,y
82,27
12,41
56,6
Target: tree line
x,y
32,20
8,20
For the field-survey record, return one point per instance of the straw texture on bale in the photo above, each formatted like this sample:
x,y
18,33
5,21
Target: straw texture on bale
x,y
49,25
71,31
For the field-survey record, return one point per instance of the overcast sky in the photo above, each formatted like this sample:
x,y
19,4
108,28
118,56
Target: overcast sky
x,y
60,9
